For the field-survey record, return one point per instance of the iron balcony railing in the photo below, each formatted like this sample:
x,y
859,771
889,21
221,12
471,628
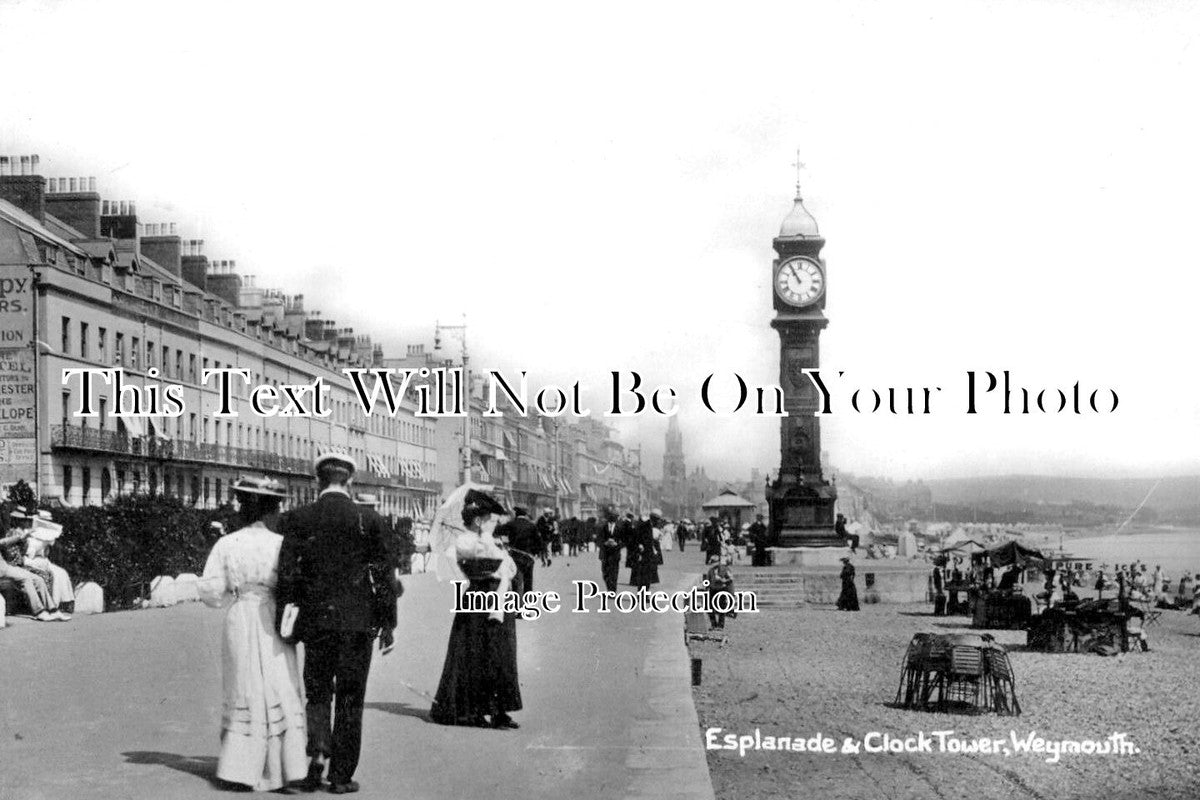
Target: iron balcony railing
x,y
72,437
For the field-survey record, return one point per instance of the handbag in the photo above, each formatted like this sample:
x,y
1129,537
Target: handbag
x,y
288,627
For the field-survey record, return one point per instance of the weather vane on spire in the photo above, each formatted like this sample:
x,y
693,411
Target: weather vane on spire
x,y
799,165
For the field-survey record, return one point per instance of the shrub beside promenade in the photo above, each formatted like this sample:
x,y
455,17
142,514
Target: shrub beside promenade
x,y
127,542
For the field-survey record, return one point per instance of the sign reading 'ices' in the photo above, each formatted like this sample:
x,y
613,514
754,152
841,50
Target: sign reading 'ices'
x,y
17,436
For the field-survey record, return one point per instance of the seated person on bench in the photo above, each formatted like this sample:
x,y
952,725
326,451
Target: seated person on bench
x,y
37,557
36,591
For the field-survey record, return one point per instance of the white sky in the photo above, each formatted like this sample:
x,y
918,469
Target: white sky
x,y
1004,185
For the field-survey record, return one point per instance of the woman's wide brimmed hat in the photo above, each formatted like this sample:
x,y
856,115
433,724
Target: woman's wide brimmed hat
x,y
265,487
483,502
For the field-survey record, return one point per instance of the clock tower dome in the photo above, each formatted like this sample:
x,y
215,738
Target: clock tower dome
x,y
801,501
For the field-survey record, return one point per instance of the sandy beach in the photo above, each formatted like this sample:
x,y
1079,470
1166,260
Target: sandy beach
x,y
817,670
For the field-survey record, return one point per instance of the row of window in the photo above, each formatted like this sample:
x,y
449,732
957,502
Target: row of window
x,y
344,411
231,434
207,492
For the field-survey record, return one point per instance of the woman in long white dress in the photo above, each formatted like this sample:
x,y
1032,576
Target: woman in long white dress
x,y
263,726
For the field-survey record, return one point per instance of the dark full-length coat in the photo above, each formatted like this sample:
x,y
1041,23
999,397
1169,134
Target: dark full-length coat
x,y
643,555
848,600
609,541
760,538
523,535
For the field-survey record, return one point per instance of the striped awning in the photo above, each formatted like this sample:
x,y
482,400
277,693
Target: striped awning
x,y
133,425
378,465
160,427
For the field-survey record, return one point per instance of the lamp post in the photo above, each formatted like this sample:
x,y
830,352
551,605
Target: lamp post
x,y
556,472
438,328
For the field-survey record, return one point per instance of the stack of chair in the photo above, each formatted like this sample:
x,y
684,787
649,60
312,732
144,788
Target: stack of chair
x,y
946,673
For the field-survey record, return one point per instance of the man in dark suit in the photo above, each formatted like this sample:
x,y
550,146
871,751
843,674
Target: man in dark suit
x,y
523,535
761,541
939,586
610,541
712,541
335,567
548,529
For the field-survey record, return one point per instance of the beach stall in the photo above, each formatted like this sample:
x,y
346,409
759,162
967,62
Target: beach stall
x,y
1005,607
1102,627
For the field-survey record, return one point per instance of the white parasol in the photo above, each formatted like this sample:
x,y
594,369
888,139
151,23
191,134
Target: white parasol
x,y
446,528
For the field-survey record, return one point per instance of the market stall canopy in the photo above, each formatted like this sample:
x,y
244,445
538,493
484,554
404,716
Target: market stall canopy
x,y
726,500
1011,553
969,546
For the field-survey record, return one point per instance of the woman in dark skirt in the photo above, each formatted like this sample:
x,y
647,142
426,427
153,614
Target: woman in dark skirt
x,y
848,601
644,556
479,678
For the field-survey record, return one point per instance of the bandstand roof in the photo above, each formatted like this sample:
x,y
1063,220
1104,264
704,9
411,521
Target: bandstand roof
x,y
728,499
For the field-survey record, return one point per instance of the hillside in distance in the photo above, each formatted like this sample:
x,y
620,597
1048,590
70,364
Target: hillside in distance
x,y
1173,497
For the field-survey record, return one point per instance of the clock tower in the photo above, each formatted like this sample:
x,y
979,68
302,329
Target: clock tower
x,y
801,501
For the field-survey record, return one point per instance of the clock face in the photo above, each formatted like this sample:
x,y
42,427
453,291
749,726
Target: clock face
x,y
799,281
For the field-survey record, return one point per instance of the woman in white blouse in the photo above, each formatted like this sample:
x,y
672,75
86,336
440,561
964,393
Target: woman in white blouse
x,y
263,726
37,554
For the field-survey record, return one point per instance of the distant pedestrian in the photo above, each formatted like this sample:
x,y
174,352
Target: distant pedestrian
x,y
521,534
851,539
760,539
938,579
643,554
712,540
720,583
548,529
609,548
848,600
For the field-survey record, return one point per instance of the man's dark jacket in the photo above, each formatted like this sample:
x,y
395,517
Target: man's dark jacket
x,y
334,565
522,534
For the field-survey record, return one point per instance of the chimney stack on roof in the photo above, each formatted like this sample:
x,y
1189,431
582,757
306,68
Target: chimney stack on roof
x,y
119,220
22,186
80,209
164,248
194,264
224,282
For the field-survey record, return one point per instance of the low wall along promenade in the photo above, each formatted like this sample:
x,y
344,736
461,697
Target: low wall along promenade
x,y
882,581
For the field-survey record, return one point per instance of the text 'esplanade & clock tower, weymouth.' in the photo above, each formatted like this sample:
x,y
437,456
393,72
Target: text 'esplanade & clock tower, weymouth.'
x,y
801,501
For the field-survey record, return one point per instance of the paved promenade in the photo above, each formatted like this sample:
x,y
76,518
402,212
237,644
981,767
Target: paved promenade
x,y
127,705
